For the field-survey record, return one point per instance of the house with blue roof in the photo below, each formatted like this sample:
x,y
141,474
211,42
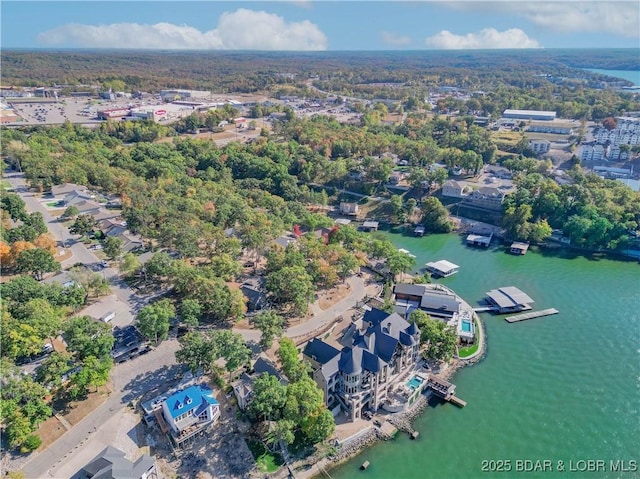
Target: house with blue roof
x,y
189,411
363,376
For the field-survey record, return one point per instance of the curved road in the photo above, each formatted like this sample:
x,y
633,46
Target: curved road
x,y
319,320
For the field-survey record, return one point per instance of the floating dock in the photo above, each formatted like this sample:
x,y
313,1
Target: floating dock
x,y
531,315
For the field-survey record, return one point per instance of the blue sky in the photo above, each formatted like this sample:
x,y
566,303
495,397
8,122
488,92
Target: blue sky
x,y
320,24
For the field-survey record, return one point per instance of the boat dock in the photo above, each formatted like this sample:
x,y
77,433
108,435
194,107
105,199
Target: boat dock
x,y
457,401
531,315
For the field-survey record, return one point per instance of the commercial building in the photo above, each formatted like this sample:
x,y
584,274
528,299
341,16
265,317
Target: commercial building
x,y
530,115
591,153
539,147
111,113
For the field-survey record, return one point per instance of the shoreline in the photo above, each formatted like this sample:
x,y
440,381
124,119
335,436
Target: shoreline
x,y
403,421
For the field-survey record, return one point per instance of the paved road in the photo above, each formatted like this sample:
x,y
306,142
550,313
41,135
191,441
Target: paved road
x,y
80,253
130,381
356,294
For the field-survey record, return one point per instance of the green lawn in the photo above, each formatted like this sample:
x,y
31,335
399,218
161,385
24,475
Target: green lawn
x,y
53,204
468,351
265,460
6,185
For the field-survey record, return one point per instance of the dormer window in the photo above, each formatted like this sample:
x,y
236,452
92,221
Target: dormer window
x,y
179,405
187,400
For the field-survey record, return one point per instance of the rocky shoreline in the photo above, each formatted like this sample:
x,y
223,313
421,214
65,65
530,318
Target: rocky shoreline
x,y
403,421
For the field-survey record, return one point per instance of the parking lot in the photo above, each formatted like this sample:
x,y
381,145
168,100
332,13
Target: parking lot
x,y
46,113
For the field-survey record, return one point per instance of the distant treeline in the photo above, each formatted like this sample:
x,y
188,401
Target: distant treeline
x,y
258,71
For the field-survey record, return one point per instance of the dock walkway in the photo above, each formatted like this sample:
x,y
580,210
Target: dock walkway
x,y
484,309
531,315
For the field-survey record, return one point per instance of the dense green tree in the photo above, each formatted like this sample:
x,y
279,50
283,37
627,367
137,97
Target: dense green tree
x,y
305,405
271,324
13,204
440,339
436,216
233,349
268,398
399,262
291,285
93,373
159,266
198,351
22,407
190,312
87,337
37,262
112,247
51,371
288,355
36,221
83,225
71,212
129,264
154,320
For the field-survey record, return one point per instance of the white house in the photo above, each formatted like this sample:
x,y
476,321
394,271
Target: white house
x,y
190,410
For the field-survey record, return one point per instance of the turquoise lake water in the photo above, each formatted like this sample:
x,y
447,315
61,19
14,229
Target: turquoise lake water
x,y
630,75
559,388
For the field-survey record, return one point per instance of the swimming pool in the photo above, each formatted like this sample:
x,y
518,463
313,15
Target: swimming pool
x,y
465,325
414,383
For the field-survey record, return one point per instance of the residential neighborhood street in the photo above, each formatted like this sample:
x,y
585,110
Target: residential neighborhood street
x,y
130,381
80,253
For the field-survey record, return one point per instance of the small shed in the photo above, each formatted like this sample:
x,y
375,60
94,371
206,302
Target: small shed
x,y
482,241
519,248
370,226
419,231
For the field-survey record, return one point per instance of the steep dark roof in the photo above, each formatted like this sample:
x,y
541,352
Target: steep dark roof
x,y
263,366
410,289
413,329
371,362
375,316
351,360
406,339
320,351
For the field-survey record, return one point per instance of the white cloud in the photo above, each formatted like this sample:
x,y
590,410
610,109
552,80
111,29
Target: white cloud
x,y
485,38
240,30
620,18
617,17
395,40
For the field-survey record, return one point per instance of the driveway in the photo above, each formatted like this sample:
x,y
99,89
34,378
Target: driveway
x,y
356,294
